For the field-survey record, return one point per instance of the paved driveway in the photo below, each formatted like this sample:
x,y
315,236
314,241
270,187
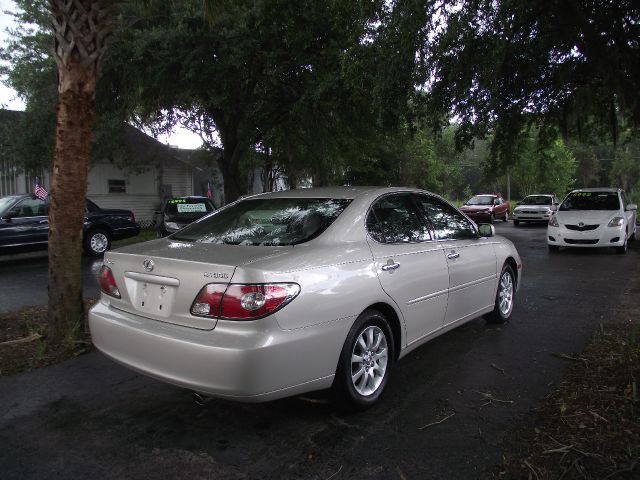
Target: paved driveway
x,y
90,418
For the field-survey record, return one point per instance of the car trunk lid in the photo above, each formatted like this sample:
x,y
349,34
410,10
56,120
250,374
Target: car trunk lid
x,y
161,279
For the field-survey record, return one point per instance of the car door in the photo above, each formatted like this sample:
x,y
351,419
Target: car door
x,y
28,223
410,265
471,260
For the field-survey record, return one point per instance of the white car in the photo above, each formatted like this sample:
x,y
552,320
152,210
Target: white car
x,y
289,292
593,218
535,208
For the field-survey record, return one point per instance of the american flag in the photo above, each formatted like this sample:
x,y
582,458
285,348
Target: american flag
x,y
39,191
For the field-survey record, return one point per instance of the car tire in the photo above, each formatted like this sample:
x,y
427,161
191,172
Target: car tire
x,y
553,248
96,242
492,218
623,249
505,296
516,223
506,217
359,383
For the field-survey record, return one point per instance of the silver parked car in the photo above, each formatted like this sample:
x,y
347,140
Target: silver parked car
x,y
288,292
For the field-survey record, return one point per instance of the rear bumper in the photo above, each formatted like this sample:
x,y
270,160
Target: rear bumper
x,y
126,232
246,361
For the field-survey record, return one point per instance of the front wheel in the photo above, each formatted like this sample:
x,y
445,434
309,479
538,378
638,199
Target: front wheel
x,y
553,248
516,223
365,361
623,249
503,307
506,217
96,242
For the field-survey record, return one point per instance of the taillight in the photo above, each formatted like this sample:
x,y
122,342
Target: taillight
x,y
108,282
132,217
242,302
207,303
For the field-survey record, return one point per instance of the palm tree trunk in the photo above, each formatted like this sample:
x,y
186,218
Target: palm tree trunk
x,y
75,114
80,28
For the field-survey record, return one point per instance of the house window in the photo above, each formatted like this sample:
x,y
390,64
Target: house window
x,y
117,186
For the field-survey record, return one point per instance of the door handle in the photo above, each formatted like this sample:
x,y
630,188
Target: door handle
x,y
44,221
453,255
390,266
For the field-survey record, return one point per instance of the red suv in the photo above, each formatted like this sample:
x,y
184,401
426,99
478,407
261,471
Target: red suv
x,y
485,208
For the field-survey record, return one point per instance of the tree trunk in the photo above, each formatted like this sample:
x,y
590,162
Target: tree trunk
x,y
80,28
75,114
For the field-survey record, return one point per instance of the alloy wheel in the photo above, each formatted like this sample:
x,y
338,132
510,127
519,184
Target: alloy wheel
x,y
369,359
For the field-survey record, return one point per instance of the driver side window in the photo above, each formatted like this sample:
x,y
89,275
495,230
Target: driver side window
x,y
30,207
448,223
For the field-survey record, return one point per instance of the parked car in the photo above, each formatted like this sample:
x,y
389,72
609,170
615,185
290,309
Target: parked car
x,y
593,217
486,208
177,213
289,292
24,225
535,208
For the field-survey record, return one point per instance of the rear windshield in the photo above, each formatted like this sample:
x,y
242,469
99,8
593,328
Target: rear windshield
x,y
480,200
265,221
536,200
591,201
188,206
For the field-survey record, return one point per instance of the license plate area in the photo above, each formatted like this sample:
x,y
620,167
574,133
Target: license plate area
x,y
151,295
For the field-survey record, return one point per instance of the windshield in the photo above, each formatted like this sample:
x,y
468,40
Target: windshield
x,y
188,207
536,200
5,203
480,200
265,221
591,201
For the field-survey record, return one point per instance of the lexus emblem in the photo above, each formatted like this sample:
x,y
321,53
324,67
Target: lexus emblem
x,y
148,264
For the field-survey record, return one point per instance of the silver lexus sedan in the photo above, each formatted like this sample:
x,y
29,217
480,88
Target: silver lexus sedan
x,y
284,293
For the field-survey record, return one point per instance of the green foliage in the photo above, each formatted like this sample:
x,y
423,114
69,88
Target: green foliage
x,y
542,168
500,66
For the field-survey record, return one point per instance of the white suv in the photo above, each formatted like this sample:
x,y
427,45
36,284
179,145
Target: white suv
x,y
593,217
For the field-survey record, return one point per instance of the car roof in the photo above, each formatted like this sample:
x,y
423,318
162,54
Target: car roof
x,y
602,189
540,195
333,192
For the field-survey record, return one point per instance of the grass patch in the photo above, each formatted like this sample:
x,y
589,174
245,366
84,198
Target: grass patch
x,y
144,235
24,344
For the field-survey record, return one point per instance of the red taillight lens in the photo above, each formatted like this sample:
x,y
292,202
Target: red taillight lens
x,y
207,303
132,217
243,302
108,282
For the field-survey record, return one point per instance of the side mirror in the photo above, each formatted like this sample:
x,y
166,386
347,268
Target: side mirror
x,y
632,207
486,230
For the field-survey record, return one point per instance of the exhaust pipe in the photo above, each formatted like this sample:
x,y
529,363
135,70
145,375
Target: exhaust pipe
x,y
200,399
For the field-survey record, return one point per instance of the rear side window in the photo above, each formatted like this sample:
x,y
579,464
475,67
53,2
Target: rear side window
x,y
265,222
394,219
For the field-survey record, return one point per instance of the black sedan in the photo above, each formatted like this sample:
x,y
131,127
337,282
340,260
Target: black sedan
x,y
179,212
24,225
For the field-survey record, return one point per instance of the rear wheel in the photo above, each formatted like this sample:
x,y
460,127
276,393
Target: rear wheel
x,y
96,242
365,361
505,296
506,216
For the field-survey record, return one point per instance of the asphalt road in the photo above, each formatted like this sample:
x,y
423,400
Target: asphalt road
x,y
23,279
90,418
